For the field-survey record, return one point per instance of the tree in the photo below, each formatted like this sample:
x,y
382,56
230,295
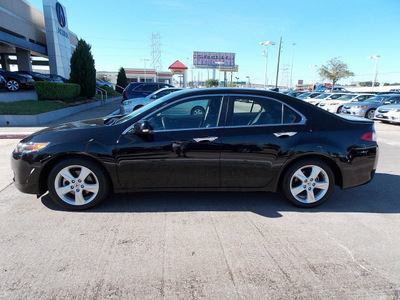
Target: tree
x,y
211,82
335,70
121,80
83,71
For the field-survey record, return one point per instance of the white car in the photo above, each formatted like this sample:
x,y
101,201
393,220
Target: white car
x,y
388,113
336,105
324,96
129,105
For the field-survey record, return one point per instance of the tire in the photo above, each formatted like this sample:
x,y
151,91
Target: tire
x,y
308,183
197,110
13,85
71,189
370,114
339,110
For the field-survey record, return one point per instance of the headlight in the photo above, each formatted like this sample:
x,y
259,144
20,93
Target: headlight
x,y
29,147
364,106
126,102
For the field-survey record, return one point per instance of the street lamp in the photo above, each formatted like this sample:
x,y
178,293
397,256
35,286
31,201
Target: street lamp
x,y
266,44
315,71
144,60
291,69
219,63
376,65
248,77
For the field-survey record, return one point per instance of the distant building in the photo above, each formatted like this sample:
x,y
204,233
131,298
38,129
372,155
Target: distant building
x,y
138,75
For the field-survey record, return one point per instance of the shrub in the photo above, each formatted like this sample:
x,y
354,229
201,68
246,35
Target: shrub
x,y
83,71
121,80
66,92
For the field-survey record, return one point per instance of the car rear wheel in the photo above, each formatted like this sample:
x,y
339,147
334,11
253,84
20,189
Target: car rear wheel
x,y
77,184
308,183
197,110
370,114
12,85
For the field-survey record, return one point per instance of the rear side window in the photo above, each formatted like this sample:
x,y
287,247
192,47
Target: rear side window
x,y
147,87
261,111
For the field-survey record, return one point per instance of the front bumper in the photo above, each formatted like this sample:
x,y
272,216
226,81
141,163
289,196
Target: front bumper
x,y
26,176
354,111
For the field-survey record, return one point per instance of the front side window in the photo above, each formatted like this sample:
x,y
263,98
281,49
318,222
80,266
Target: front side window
x,y
201,112
261,111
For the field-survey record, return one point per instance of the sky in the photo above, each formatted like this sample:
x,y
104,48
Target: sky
x,y
120,33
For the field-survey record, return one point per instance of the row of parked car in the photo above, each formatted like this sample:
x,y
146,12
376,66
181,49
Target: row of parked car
x,y
384,107
15,81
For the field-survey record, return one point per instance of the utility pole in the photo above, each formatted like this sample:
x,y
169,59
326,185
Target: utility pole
x,y
277,68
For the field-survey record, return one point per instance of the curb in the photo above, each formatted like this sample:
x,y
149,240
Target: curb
x,y
14,136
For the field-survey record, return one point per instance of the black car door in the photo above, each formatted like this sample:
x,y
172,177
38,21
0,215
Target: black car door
x,y
180,150
260,135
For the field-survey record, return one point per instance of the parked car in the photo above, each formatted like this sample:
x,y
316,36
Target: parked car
x,y
308,95
130,105
142,89
324,96
295,93
15,81
2,83
37,76
101,83
367,108
336,106
247,140
388,113
58,78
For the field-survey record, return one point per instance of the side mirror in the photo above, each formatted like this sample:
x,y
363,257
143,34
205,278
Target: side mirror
x,y
140,127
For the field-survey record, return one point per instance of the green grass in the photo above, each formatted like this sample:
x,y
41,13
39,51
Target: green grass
x,y
29,107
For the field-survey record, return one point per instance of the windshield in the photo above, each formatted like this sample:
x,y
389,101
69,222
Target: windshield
x,y
376,99
346,97
322,96
305,95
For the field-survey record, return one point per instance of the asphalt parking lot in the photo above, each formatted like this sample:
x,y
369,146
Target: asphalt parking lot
x,y
206,245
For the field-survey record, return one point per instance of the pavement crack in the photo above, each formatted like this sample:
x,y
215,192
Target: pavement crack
x,y
230,271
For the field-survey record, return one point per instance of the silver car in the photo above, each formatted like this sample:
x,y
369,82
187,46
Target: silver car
x,y
367,108
388,113
127,106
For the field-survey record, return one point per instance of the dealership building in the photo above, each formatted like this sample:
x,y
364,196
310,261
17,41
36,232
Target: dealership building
x,y
32,39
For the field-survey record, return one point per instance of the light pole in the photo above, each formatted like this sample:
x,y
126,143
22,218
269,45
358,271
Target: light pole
x,y
266,44
315,71
248,77
219,63
144,60
291,69
376,66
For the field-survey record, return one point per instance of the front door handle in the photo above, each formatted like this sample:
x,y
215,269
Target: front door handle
x,y
284,134
205,139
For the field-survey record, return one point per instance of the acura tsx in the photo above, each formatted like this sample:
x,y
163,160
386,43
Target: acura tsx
x,y
246,140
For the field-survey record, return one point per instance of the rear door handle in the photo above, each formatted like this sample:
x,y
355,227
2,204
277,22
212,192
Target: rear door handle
x,y
205,139
284,134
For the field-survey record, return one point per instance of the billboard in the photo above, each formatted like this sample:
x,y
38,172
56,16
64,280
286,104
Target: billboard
x,y
208,60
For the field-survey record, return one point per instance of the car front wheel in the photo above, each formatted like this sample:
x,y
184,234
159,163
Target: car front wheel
x,y
197,110
370,114
308,183
12,85
77,184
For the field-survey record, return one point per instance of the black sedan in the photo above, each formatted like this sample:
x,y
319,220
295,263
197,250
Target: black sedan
x,y
245,140
15,81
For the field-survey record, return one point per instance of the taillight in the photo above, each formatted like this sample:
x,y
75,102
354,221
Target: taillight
x,y
369,136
